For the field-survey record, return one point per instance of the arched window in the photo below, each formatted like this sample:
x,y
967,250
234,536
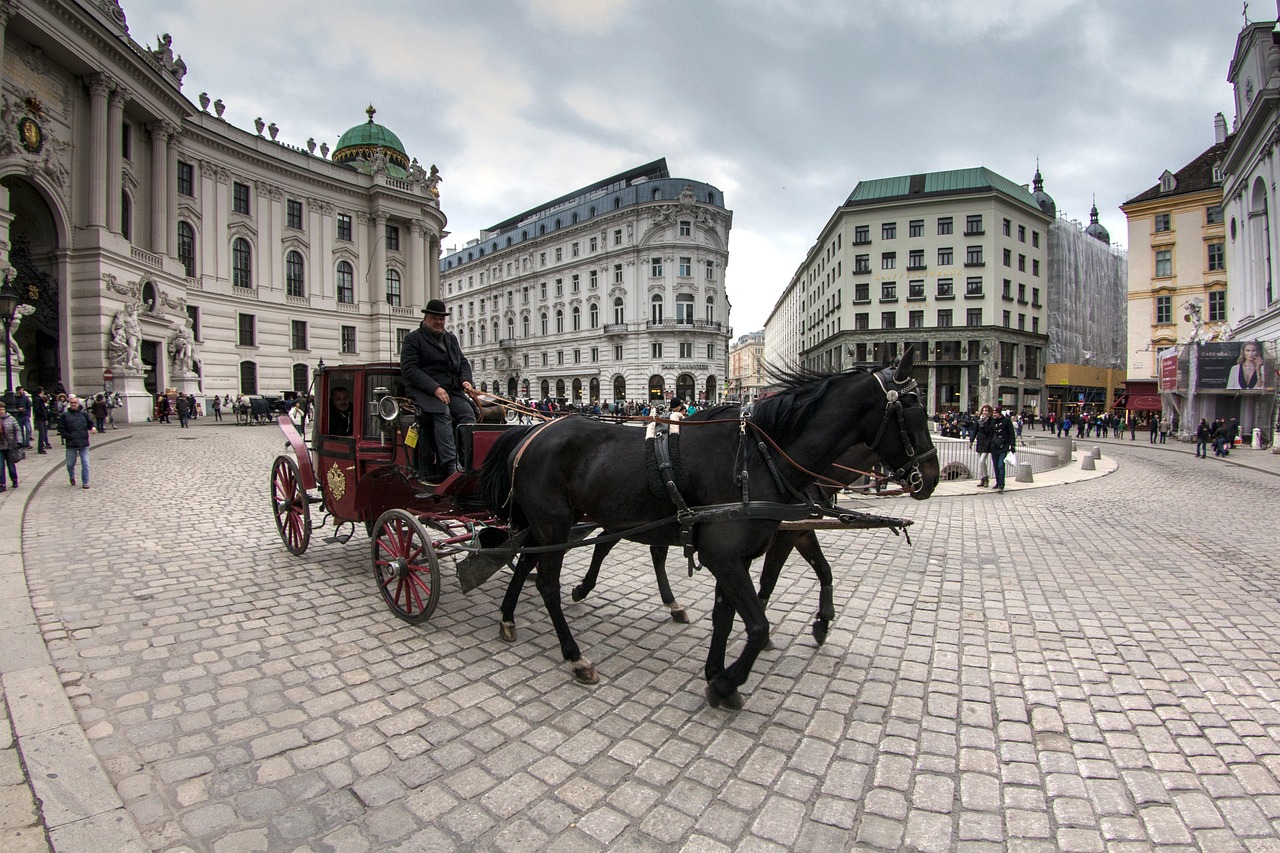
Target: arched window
x,y
560,388
593,314
126,216
577,390
346,283
471,336
619,388
684,309
559,321
300,377
577,319
187,248
241,257
655,308
393,287
511,327
544,322
657,193
619,310
482,331
495,331
657,387
293,283
711,309
524,326
545,389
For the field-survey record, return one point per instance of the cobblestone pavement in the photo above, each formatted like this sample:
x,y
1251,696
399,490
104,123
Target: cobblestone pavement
x,y
1086,667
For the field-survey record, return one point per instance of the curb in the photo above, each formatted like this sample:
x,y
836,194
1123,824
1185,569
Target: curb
x,y
75,799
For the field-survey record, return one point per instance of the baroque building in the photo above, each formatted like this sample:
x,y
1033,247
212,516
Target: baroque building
x,y
747,379
952,263
162,247
612,292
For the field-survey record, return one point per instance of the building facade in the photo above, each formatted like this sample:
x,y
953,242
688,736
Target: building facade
x,y
747,379
952,263
613,292
1178,292
161,247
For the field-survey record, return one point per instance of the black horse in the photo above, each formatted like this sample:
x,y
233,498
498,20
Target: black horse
x,y
548,478
849,467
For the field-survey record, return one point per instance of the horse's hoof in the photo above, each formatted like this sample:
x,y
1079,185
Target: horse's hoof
x,y
820,631
732,702
578,594
768,644
679,615
584,672
508,632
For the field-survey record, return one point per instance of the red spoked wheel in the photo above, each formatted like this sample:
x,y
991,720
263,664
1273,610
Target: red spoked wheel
x,y
290,506
405,566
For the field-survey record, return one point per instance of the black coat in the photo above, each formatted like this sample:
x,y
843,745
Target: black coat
x,y
1003,436
428,364
75,426
982,434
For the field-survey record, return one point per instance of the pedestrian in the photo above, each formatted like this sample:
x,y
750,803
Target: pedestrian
x,y
1165,426
1003,442
217,409
10,442
1153,427
1219,437
40,409
1133,426
22,412
100,412
1204,434
981,442
184,410
74,427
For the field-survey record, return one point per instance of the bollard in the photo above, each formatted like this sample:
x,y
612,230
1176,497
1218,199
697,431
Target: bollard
x,y
1086,464
1024,473
1096,453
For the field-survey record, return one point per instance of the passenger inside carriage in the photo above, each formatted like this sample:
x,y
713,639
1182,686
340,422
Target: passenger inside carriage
x,y
340,412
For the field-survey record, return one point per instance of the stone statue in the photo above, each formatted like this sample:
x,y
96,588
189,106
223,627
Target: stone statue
x,y
132,338
182,348
433,182
379,160
163,54
117,347
15,352
417,174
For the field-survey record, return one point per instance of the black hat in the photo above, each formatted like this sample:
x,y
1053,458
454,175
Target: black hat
x,y
436,308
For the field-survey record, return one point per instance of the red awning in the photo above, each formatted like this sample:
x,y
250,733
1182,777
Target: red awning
x,y
1144,403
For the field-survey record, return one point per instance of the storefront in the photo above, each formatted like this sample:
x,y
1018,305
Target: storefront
x,y
1222,380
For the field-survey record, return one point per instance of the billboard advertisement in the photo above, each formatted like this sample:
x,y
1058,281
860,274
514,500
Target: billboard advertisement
x,y
1240,366
1169,370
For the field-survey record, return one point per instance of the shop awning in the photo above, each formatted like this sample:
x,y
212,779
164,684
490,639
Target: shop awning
x,y
1140,395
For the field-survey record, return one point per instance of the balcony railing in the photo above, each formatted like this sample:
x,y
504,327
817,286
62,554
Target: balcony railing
x,y
672,324
507,343
614,328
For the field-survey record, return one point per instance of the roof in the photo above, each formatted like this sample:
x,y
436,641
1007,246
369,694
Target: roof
x,y
1196,176
364,140
932,184
656,170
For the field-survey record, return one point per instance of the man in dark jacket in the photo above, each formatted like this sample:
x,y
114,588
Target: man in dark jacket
x,y
439,375
1003,442
74,426
40,408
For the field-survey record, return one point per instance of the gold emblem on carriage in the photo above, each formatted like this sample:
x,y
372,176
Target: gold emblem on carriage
x,y
337,482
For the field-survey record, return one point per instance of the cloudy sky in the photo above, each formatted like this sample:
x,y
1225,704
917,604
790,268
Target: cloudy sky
x,y
784,105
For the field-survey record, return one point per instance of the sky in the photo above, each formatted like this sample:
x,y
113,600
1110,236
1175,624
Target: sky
x,y
784,105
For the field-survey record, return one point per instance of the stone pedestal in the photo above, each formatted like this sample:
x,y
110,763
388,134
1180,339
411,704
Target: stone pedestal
x,y
138,405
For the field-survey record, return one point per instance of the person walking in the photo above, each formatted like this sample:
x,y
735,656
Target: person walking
x,y
40,409
981,442
22,412
184,410
217,409
1204,435
1003,442
10,442
1165,426
100,412
1153,427
74,427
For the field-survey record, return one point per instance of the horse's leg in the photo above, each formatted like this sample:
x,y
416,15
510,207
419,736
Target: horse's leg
x,y
734,594
659,554
774,559
549,586
598,554
521,571
807,544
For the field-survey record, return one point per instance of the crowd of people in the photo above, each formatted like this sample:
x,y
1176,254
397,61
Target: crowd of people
x,y
28,418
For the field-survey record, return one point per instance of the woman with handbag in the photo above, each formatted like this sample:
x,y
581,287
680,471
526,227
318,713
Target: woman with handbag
x,y
9,449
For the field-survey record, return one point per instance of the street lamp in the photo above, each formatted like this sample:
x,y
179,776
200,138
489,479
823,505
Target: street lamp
x,y
10,299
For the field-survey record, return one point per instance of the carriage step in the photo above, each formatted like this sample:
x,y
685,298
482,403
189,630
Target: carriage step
x,y
338,537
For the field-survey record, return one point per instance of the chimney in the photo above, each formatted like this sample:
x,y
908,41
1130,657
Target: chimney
x,y
1220,127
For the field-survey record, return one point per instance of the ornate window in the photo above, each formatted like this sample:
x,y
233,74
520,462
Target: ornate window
x,y
346,283
293,276
241,258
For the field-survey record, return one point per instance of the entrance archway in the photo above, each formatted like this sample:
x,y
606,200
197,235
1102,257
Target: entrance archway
x,y
685,386
619,389
657,387
33,249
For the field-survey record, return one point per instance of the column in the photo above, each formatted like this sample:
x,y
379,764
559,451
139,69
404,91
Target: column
x,y
433,268
8,8
378,269
115,132
170,246
419,282
99,86
159,186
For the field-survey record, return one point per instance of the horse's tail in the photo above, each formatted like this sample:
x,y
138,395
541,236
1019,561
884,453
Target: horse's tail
x,y
495,475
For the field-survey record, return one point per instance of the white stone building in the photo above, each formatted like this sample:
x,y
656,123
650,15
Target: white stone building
x,y
613,292
171,249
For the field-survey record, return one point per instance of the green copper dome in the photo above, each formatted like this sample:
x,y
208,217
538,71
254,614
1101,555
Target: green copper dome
x,y
359,147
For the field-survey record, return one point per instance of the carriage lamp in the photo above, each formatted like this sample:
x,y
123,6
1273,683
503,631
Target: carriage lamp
x,y
10,299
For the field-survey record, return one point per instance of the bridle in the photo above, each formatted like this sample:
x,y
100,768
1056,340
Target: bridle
x,y
909,473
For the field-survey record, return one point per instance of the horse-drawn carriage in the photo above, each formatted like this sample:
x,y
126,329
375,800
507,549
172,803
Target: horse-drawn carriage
x,y
742,474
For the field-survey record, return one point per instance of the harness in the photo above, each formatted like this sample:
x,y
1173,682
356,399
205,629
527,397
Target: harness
x,y
662,443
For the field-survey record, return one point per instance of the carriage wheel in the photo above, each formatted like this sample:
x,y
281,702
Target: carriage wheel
x,y
405,566
290,506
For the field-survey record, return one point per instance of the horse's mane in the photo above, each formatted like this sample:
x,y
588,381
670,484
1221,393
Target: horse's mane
x,y
784,414
711,413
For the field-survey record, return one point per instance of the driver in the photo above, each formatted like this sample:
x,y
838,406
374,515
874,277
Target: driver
x,y
340,411
431,361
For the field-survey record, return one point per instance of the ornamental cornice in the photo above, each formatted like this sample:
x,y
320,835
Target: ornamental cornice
x,y
243,229
272,191
346,253
296,242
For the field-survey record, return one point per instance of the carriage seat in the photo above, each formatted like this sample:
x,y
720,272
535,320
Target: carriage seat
x,y
474,442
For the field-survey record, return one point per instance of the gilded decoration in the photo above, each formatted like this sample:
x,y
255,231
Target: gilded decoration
x,y
337,482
